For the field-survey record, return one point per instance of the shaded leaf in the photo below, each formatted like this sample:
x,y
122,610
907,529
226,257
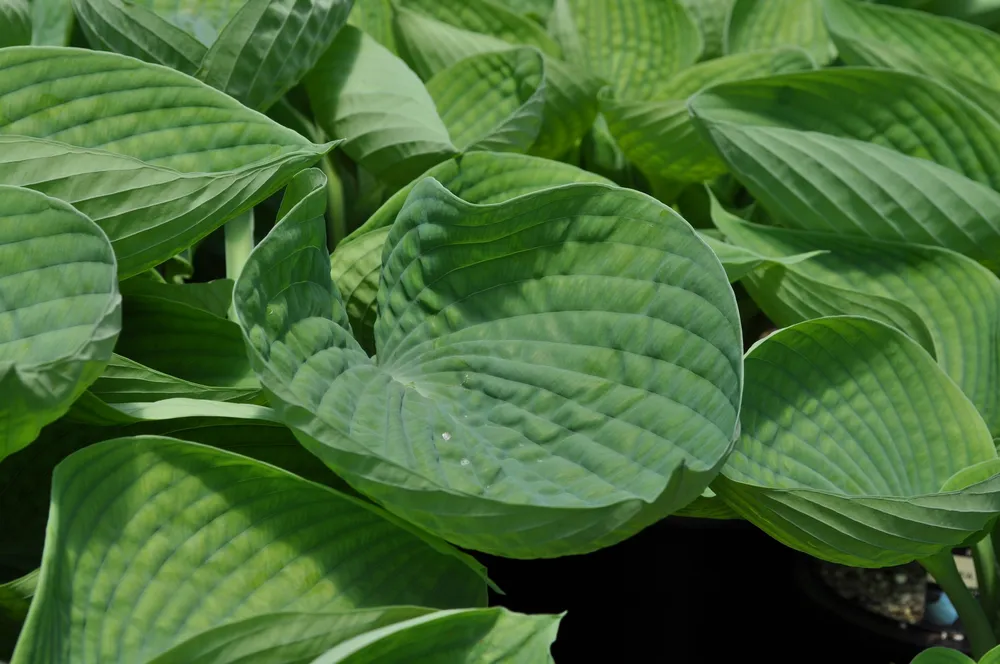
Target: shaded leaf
x,y
374,17
60,311
15,23
464,431
712,17
51,22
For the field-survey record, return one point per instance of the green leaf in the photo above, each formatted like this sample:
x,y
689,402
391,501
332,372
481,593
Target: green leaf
x,y
60,312
51,22
767,24
15,598
659,137
488,18
992,657
708,506
946,302
366,95
469,636
477,178
152,541
214,297
156,171
430,47
907,112
493,101
375,18
635,44
254,50
825,183
962,55
942,656
463,431
850,434
740,261
712,16
15,23
284,637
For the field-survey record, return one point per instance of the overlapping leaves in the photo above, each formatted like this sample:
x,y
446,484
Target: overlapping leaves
x,y
466,432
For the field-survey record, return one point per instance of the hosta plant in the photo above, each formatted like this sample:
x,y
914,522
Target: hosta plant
x,y
306,304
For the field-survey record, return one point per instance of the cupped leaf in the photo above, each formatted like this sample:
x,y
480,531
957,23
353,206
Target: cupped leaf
x,y
51,22
430,47
944,301
254,50
15,23
851,435
363,93
965,56
60,311
477,177
635,44
909,113
496,398
658,135
470,636
493,101
152,541
157,159
489,18
767,24
819,182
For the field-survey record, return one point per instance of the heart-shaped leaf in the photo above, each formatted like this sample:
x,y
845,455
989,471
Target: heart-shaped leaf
x,y
60,311
254,50
819,182
658,135
478,177
496,397
152,541
756,25
909,113
157,159
947,302
855,447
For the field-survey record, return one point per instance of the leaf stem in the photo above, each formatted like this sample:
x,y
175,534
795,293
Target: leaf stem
x,y
985,559
974,621
336,227
239,244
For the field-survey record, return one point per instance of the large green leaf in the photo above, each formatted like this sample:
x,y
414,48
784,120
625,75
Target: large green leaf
x,y
26,477
658,135
909,113
489,18
15,23
51,22
470,636
60,311
157,159
431,47
477,177
152,541
635,44
965,56
767,24
855,447
254,50
493,101
363,93
819,182
498,413
947,302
